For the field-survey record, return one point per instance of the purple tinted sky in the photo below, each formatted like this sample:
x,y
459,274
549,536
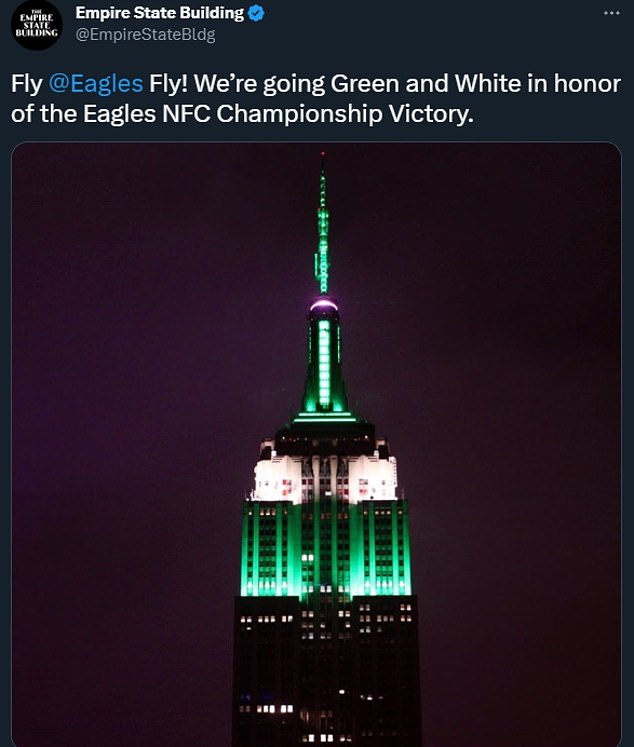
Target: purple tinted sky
x,y
159,300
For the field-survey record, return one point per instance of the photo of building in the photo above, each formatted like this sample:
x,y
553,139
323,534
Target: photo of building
x,y
326,625
309,453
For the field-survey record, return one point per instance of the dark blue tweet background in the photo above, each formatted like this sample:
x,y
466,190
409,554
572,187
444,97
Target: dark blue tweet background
x,y
160,195
548,51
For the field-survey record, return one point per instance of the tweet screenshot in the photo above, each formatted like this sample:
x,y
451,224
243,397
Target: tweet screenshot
x,y
314,396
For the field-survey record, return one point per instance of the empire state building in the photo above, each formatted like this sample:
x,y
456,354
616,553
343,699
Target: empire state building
x,y
326,625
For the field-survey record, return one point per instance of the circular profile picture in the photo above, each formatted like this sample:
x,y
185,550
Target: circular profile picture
x,y
36,24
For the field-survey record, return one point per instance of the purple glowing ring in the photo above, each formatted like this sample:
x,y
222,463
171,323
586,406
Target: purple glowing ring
x,y
324,302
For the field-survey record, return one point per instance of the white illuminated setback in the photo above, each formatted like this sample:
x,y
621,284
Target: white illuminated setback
x,y
278,479
369,478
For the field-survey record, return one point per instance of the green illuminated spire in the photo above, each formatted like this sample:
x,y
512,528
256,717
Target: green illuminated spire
x,y
325,393
322,262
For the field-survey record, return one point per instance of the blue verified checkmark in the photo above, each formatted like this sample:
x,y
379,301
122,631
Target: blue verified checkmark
x,y
255,13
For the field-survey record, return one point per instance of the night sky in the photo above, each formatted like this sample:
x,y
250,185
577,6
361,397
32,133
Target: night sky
x,y
160,295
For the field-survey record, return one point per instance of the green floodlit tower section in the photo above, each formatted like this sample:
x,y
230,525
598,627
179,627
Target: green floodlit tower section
x,y
325,398
353,550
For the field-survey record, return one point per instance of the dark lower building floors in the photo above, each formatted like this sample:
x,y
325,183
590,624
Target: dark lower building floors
x,y
326,671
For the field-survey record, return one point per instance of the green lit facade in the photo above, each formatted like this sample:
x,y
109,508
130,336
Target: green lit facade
x,y
326,633
358,550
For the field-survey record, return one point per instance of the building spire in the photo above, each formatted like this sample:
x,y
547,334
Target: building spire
x,y
322,261
325,392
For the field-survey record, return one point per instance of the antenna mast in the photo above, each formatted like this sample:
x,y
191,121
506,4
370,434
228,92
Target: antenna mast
x,y
322,261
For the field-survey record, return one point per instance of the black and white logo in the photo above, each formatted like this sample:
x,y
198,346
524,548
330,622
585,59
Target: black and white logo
x,y
36,24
